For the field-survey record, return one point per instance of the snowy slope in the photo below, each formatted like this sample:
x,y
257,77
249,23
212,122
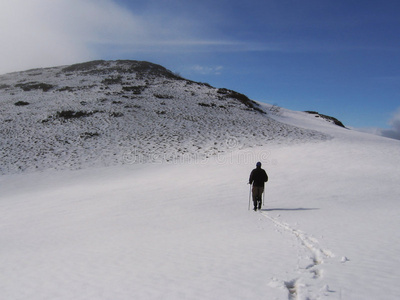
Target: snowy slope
x,y
182,229
106,113
352,181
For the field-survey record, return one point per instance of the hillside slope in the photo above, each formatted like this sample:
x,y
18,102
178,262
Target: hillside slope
x,y
105,113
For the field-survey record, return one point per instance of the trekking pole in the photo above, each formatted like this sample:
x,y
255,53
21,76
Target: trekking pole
x,y
249,197
263,200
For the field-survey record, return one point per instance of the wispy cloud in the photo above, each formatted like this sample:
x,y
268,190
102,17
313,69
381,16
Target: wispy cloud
x,y
207,70
394,131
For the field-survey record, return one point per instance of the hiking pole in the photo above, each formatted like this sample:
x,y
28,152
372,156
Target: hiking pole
x,y
263,200
249,196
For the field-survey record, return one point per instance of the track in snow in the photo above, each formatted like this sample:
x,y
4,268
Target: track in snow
x,y
308,285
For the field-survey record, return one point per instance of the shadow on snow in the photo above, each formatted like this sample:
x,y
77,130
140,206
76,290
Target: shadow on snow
x,y
288,209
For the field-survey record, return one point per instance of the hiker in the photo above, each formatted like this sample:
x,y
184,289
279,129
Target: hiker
x,y
258,177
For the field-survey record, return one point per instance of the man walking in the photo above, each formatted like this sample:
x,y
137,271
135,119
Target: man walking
x,y
258,177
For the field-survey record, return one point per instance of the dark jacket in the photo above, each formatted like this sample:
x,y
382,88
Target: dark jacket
x,y
258,177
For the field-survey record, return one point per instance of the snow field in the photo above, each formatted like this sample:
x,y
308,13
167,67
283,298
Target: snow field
x,y
159,232
168,231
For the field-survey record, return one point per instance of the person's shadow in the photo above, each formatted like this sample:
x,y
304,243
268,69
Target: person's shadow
x,y
287,209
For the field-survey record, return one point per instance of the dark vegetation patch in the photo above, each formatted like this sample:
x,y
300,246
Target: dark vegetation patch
x,y
329,118
4,86
112,80
204,84
29,86
206,104
223,91
142,69
75,88
21,103
87,135
86,66
70,114
241,98
116,114
132,106
162,96
136,90
66,89
35,74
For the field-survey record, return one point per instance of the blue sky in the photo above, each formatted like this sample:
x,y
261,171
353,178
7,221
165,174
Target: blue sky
x,y
338,57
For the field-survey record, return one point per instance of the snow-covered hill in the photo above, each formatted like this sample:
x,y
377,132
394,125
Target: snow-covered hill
x,y
104,113
182,229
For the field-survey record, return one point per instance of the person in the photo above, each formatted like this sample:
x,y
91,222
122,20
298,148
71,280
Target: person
x,y
258,177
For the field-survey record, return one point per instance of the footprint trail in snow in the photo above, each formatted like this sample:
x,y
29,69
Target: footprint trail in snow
x,y
308,284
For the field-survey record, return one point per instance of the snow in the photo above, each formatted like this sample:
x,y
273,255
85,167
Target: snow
x,y
182,229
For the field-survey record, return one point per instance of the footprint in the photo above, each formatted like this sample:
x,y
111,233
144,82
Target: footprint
x,y
292,288
344,259
316,273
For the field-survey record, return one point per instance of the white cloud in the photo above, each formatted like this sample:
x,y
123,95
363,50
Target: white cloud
x,y
394,131
31,36
206,70
40,33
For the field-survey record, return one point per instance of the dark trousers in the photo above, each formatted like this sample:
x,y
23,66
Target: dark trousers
x,y
257,196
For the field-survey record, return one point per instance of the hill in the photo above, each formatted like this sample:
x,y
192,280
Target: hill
x,y
104,113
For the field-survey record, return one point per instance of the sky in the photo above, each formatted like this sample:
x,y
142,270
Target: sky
x,y
337,57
